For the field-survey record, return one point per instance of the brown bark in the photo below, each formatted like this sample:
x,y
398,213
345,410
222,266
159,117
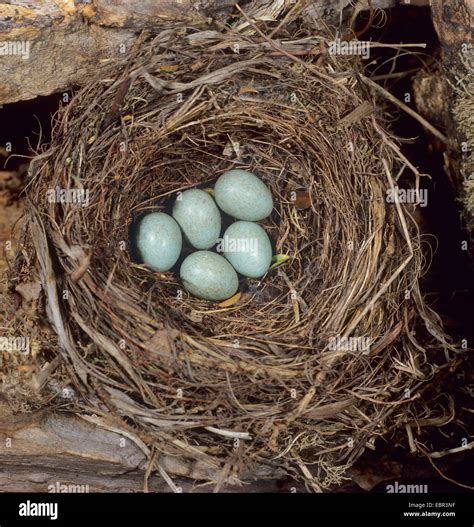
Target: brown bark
x,y
45,449
72,39
453,21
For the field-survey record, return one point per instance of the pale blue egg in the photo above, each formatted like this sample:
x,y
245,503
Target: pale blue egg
x,y
199,217
209,276
243,195
248,248
159,241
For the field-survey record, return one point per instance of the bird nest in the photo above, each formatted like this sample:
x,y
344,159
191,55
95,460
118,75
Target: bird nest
x,y
302,369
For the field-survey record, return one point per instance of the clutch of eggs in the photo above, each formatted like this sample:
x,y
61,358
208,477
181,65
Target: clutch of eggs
x,y
196,217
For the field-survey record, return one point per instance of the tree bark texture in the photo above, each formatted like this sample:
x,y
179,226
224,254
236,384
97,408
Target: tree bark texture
x,y
70,40
454,24
44,450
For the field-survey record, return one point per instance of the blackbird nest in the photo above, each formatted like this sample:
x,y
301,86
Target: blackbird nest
x,y
302,369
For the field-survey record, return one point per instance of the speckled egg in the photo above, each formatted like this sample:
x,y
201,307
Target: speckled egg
x,y
159,241
199,217
209,276
243,195
247,247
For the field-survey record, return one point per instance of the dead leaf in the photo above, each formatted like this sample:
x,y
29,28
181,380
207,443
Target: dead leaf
x,y
363,110
80,271
387,339
328,410
247,89
390,250
161,343
196,66
169,67
302,199
232,300
29,290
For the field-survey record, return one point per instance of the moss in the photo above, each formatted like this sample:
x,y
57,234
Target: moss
x,y
463,111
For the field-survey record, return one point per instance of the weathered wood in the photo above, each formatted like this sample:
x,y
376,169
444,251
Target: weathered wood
x,y
454,24
69,41
46,449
